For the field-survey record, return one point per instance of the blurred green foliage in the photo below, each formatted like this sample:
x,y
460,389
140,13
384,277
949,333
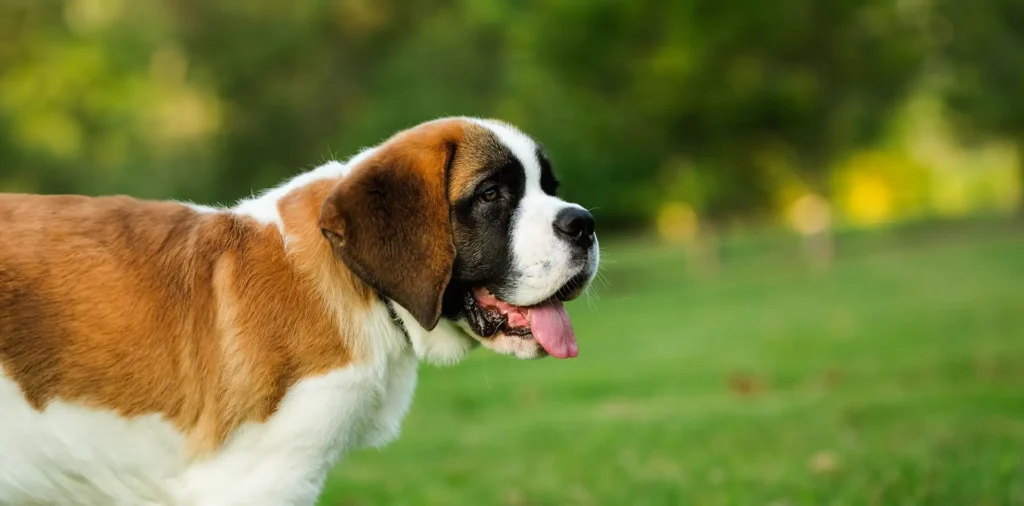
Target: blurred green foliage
x,y
982,48
717,104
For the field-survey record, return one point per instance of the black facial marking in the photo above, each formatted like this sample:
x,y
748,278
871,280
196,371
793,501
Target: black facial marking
x,y
482,229
548,183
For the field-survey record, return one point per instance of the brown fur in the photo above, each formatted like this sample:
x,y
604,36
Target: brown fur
x,y
153,308
399,196
209,318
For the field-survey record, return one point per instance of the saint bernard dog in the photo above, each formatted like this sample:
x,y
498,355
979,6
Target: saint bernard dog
x,y
175,354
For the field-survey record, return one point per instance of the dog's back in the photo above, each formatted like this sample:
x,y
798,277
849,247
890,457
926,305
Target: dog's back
x,y
97,296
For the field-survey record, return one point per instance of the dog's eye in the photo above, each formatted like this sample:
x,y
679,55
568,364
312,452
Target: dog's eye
x,y
490,194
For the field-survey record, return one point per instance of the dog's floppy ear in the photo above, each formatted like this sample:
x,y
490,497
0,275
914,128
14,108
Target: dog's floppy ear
x,y
388,219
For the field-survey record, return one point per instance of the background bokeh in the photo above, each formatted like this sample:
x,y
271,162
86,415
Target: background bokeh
x,y
813,290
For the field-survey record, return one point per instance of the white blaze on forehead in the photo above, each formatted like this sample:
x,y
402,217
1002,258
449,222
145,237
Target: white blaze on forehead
x,y
522,147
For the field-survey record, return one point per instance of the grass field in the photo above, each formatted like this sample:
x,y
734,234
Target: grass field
x,y
895,378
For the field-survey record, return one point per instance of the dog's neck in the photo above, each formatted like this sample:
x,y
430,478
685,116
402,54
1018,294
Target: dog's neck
x,y
293,207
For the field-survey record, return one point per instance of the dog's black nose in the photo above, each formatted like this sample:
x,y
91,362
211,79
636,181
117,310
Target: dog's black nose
x,y
576,226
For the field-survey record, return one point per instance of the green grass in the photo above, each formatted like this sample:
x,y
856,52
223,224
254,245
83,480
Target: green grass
x,y
895,378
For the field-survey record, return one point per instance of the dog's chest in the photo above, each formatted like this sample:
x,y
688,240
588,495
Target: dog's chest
x,y
70,454
285,460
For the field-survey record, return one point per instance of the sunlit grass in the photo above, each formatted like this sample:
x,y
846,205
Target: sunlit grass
x,y
897,377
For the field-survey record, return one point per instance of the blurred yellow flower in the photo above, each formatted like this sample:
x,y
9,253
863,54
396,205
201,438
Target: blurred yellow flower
x,y
677,222
869,199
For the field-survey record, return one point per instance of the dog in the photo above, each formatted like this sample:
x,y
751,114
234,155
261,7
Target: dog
x,y
172,353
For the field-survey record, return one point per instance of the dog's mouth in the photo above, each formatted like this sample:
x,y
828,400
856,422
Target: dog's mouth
x,y
547,323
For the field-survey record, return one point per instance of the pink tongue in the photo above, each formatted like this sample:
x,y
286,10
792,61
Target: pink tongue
x,y
549,323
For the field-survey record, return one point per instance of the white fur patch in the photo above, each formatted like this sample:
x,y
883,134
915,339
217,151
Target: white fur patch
x,y
263,208
199,208
446,344
93,456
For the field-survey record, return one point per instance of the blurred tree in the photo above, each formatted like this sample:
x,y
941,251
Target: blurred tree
x,y
92,91
818,79
721,82
639,103
981,56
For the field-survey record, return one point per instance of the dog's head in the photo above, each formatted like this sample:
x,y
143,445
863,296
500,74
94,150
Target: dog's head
x,y
458,220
